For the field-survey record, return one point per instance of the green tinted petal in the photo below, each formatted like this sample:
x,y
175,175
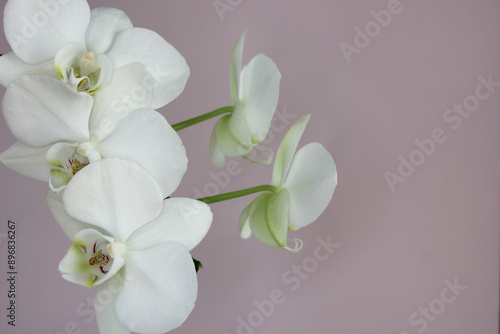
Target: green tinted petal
x,y
287,150
269,218
236,67
58,180
260,81
244,223
216,155
233,138
277,215
311,180
105,24
74,267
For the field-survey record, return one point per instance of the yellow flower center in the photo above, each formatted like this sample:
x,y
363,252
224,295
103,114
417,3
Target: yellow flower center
x,y
76,166
98,259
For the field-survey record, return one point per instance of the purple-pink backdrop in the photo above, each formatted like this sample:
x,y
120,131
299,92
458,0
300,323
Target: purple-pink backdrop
x,y
420,256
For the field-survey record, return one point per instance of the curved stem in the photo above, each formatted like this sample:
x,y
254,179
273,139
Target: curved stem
x,y
201,118
238,193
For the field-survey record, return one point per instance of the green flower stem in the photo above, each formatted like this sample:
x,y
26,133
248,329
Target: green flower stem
x,y
238,193
201,118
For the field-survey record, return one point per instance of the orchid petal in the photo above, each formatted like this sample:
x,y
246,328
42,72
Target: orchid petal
x,y
287,149
165,64
118,263
239,129
161,289
105,73
216,156
105,308
59,153
236,60
232,134
74,267
123,93
182,220
244,223
36,30
277,216
69,225
12,68
87,238
40,111
269,218
116,195
27,161
146,138
311,180
58,180
259,93
105,24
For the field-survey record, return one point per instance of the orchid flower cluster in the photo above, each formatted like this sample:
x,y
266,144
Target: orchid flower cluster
x,y
81,103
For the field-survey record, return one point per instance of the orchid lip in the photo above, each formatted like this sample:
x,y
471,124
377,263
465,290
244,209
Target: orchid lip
x,y
98,258
76,165
66,162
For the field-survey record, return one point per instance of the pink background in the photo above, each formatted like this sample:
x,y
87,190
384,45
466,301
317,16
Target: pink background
x,y
397,248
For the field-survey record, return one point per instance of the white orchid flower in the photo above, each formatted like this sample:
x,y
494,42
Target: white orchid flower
x,y
83,48
131,244
57,135
303,189
255,92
